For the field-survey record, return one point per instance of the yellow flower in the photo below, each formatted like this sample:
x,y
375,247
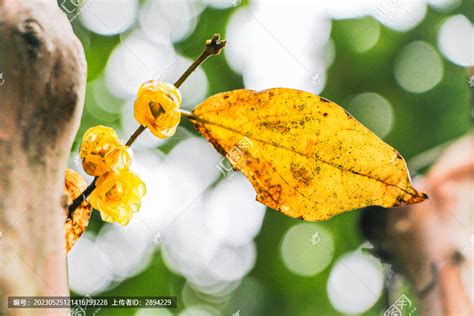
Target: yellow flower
x,y
101,151
157,107
118,195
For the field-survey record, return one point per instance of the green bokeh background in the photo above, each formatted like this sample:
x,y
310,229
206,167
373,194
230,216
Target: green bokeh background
x,y
422,121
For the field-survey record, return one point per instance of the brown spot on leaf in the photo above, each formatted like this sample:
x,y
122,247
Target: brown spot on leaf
x,y
277,126
270,197
301,174
400,200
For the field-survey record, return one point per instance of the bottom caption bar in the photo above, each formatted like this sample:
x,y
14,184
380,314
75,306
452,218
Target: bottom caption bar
x,y
92,302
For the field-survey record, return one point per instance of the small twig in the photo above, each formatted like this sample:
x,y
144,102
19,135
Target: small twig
x,y
213,47
135,135
187,114
81,198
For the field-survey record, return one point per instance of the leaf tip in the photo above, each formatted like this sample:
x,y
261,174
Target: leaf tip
x,y
412,197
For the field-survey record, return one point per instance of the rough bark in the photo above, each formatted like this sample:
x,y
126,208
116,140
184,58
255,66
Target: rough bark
x,y
431,243
41,100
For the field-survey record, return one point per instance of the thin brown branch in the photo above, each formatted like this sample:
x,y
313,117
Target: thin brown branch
x,y
213,47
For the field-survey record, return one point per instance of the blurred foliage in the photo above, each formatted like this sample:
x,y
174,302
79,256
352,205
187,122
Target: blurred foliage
x,y
422,121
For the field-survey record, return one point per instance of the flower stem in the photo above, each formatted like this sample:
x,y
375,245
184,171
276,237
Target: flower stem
x,y
213,47
81,198
135,135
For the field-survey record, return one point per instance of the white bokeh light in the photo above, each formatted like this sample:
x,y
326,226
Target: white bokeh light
x,y
456,40
307,249
211,259
88,267
232,263
128,248
418,67
400,15
374,111
210,265
194,89
444,5
355,283
257,32
196,157
108,17
169,20
222,4
346,9
134,61
170,193
137,60
186,246
214,292
395,14
170,188
233,215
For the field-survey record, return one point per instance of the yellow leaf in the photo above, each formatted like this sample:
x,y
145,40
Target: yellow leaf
x,y
304,155
74,185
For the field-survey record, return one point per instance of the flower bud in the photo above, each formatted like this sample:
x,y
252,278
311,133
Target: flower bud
x,y
157,107
101,151
118,195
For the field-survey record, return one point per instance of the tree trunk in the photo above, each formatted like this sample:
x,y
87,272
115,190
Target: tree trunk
x,y
42,86
431,243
